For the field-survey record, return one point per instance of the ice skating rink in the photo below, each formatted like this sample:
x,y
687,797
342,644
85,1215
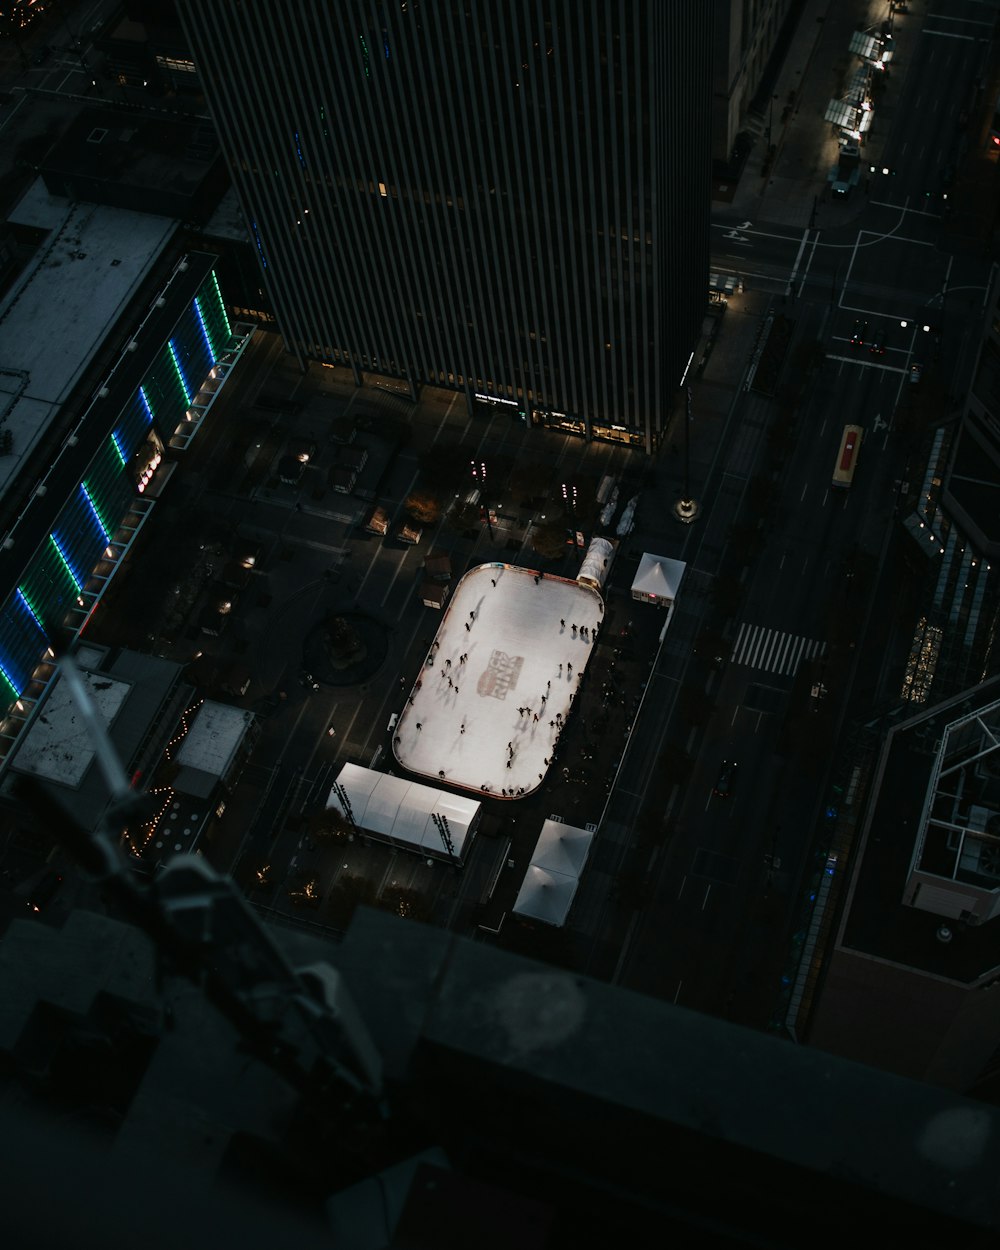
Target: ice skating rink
x,y
498,682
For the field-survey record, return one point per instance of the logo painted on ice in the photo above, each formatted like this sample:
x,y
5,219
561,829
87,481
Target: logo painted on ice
x,y
500,676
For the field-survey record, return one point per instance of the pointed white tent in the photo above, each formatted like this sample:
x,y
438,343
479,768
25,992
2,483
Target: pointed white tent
x,y
562,848
546,896
658,579
549,885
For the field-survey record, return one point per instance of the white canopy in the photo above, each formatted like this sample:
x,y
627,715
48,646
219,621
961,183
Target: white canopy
x,y
658,579
549,885
562,848
546,896
597,563
402,811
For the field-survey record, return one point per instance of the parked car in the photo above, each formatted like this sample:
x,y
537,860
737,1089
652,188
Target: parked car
x,y
726,779
859,333
378,522
916,372
409,533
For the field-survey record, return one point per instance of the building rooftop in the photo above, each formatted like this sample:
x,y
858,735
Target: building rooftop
x,y
64,305
876,921
58,745
133,692
215,736
134,159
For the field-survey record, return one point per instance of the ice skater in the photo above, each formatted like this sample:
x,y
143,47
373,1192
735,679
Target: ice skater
x,y
537,579
440,772
447,663
462,730
562,622
493,582
468,628
569,668
560,670
419,726
548,685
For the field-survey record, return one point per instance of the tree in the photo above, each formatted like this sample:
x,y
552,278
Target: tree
x,y
424,506
549,539
326,824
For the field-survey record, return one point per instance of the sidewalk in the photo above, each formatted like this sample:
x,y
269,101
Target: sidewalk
x,y
793,191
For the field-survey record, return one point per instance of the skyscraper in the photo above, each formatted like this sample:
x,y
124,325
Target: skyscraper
x,y
505,197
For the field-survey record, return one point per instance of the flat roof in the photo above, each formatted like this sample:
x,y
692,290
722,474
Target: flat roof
x,y
168,153
64,305
214,737
57,745
876,922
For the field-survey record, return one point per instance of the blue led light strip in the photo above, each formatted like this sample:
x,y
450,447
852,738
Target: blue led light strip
x,y
180,372
145,402
97,516
204,330
62,556
118,448
34,615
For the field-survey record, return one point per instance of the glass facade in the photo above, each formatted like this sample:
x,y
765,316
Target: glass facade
x,y
54,583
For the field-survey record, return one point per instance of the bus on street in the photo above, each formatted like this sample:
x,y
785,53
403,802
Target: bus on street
x,y
847,457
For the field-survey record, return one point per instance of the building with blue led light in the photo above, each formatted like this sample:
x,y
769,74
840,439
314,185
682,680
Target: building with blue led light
x,y
146,344
508,200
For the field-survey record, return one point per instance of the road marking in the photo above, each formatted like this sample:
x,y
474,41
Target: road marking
x,y
708,890
773,650
948,34
683,883
798,260
869,364
677,992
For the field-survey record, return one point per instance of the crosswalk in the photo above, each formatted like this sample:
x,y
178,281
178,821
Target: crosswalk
x,y
773,650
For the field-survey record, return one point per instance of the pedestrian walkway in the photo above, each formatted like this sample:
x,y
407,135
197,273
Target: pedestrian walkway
x,y
773,650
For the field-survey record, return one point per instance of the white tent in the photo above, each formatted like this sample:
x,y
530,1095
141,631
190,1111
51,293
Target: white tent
x,y
597,563
402,812
546,896
562,848
549,885
658,579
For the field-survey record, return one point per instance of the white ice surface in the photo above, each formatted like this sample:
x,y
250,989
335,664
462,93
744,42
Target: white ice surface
x,y
515,646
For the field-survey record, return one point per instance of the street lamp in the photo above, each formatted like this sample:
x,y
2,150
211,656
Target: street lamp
x,y
569,499
479,476
686,508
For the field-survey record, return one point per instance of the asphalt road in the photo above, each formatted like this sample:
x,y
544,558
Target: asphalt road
x,y
725,890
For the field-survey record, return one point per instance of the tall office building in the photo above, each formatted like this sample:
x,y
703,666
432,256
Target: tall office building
x,y
505,197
